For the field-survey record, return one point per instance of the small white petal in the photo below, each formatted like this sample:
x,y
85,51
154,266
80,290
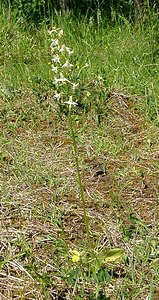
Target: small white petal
x,y
57,96
62,49
54,43
54,69
69,51
74,86
62,79
56,58
60,33
67,65
52,31
70,102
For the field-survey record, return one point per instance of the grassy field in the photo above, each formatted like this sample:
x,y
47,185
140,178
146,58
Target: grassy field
x,y
116,130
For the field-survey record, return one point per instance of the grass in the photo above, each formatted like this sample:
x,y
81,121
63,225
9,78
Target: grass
x,y
116,126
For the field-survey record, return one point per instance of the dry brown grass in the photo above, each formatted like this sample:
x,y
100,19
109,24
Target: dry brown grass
x,y
41,213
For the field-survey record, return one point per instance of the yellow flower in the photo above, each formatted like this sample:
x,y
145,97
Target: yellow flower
x,y
88,93
75,258
75,255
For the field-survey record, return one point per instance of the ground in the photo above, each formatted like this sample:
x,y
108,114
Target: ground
x,y
41,210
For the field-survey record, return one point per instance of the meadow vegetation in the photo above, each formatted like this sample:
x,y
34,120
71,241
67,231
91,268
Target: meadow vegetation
x,y
47,248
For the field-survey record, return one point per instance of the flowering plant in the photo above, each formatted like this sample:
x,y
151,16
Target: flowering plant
x,y
62,68
63,79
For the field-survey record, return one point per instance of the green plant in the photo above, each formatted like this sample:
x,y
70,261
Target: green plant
x,y
65,87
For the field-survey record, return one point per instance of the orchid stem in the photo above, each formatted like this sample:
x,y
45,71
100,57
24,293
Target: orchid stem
x,y
80,185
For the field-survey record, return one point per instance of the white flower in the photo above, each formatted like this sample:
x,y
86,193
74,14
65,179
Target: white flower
x,y
53,30
67,65
62,79
56,58
69,51
54,69
52,50
60,33
74,86
62,49
57,96
70,103
54,43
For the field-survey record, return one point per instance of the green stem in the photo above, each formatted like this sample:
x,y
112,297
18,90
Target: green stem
x,y
81,191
